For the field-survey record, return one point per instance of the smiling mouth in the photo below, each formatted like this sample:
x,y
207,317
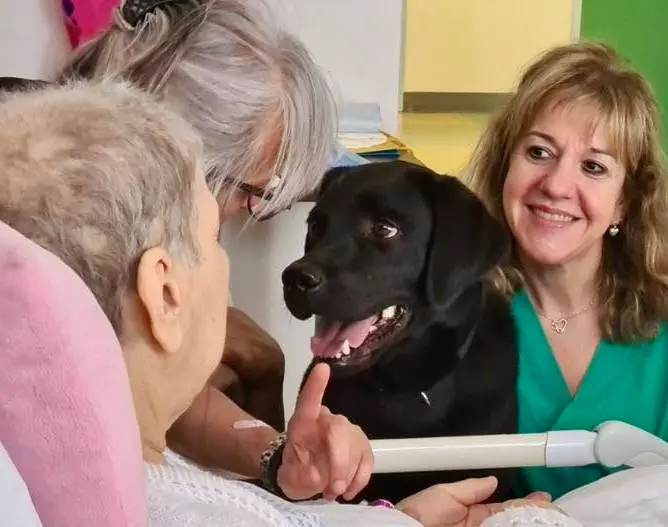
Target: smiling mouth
x,y
552,216
340,343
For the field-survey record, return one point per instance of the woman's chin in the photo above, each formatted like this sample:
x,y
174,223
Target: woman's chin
x,y
551,246
549,259
549,251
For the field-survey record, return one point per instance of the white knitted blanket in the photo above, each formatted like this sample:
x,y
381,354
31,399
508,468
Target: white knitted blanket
x,y
181,494
180,497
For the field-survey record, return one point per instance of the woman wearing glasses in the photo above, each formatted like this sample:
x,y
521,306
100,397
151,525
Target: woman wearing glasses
x,y
267,121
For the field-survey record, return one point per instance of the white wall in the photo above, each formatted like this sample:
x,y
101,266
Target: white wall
x,y
359,43
257,257
33,40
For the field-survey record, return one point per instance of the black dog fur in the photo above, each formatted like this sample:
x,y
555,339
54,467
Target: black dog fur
x,y
398,234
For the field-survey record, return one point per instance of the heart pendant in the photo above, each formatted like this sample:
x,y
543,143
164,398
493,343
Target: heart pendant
x,y
559,325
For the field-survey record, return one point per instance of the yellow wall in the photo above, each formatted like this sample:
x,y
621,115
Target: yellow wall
x,y
477,46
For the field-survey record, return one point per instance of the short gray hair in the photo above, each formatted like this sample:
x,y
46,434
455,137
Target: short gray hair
x,y
230,69
97,174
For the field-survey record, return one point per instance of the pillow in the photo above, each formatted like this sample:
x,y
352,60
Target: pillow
x,y
66,413
15,503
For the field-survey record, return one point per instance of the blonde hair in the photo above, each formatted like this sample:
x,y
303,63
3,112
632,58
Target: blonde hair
x,y
228,67
97,174
634,287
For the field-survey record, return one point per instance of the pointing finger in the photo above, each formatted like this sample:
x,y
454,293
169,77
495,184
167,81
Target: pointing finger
x,y
309,402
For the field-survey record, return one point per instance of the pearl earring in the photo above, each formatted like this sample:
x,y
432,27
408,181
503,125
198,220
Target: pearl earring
x,y
614,229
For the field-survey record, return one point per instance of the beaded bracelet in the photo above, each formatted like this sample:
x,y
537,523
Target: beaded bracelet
x,y
270,461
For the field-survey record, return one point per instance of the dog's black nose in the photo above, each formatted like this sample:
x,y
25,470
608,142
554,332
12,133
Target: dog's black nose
x,y
305,278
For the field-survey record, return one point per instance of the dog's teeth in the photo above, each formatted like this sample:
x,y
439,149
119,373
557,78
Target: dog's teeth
x,y
345,348
372,329
338,355
388,312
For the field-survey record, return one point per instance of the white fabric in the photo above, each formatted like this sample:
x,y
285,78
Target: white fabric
x,y
635,497
181,494
184,495
16,507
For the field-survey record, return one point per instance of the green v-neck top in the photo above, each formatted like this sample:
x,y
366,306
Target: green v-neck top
x,y
624,382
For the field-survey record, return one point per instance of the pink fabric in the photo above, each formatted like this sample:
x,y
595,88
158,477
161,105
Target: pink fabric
x,y
85,18
66,413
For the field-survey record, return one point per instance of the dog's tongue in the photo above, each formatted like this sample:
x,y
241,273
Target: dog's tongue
x,y
330,336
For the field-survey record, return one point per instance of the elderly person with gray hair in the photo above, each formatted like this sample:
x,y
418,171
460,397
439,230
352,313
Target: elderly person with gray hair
x,y
113,184
267,120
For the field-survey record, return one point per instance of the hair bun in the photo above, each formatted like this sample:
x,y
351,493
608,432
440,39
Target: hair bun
x,y
134,12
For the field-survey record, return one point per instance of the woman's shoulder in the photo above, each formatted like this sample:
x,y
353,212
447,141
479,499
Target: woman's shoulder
x,y
656,346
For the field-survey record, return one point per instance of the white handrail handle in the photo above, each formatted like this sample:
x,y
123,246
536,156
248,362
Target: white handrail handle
x,y
563,448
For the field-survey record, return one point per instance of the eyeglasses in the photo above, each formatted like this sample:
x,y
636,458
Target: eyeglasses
x,y
263,194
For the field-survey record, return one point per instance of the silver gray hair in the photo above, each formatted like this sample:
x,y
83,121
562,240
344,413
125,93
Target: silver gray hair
x,y
97,174
239,78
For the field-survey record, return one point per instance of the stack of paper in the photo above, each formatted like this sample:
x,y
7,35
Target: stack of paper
x,y
360,132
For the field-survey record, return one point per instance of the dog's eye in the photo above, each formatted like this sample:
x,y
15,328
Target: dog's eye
x,y
384,229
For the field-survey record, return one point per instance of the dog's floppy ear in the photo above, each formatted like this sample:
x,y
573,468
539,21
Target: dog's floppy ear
x,y
332,175
466,241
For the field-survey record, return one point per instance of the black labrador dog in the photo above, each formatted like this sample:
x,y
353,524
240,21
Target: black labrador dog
x,y
419,346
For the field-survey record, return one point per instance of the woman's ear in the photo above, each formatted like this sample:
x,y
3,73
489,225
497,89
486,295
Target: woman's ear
x,y
160,293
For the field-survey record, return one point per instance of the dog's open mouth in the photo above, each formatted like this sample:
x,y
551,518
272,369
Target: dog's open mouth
x,y
354,342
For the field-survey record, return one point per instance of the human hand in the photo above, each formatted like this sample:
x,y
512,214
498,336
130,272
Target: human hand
x,y
535,499
460,504
324,453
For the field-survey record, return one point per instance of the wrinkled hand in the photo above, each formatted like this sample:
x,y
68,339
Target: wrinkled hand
x,y
460,504
324,453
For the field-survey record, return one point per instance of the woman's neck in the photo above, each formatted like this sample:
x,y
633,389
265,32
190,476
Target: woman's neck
x,y
152,430
154,415
563,289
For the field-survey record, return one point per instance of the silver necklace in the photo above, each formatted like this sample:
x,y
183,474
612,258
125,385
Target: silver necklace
x,y
559,324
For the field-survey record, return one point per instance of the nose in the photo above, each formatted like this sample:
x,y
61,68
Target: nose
x,y
230,207
303,277
559,179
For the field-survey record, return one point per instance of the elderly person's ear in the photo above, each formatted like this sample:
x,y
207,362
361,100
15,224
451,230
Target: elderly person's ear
x,y
160,290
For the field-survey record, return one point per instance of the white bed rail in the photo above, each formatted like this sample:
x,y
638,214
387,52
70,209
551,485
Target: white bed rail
x,y
612,444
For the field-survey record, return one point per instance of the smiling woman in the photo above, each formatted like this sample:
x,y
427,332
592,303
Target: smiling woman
x,y
559,153
573,168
